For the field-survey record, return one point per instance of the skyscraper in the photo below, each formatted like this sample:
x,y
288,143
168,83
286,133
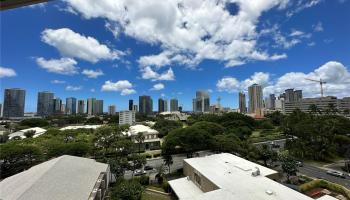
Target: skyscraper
x,y
98,107
298,95
242,103
271,102
111,110
202,102
81,107
289,95
255,99
0,110
135,108
57,106
71,106
14,100
174,105
145,105
45,103
90,106
162,104
131,104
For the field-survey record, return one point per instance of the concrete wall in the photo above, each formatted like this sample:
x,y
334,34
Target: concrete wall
x,y
206,185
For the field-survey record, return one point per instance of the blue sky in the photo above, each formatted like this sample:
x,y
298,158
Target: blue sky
x,y
118,50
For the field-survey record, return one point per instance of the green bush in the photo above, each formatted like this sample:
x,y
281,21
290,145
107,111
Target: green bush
x,y
143,180
156,155
320,183
166,186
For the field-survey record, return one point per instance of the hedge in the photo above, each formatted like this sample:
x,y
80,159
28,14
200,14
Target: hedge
x,y
320,183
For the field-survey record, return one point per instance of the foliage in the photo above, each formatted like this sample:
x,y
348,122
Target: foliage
x,y
289,165
267,154
140,138
168,160
276,118
131,190
143,180
4,137
211,127
29,134
164,126
320,183
17,157
34,122
94,120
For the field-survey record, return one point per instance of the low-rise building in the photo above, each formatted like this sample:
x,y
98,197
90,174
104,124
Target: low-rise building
x,y
37,131
151,142
80,127
228,177
127,117
65,177
175,116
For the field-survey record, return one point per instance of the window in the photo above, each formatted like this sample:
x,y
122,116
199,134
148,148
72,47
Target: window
x,y
197,178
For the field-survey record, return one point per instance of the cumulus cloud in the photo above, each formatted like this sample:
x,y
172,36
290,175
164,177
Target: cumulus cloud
x,y
73,88
7,72
58,82
92,73
186,31
334,73
122,86
74,45
158,86
231,84
148,73
65,66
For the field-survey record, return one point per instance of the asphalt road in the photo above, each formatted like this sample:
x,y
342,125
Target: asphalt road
x,y
316,172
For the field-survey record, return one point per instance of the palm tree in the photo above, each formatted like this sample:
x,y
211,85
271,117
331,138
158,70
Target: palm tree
x,y
140,138
168,160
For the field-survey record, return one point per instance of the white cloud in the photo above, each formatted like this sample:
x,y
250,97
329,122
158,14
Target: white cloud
x,y
58,82
318,27
7,72
122,86
158,86
73,88
92,73
301,5
65,66
186,31
74,45
231,84
334,73
148,73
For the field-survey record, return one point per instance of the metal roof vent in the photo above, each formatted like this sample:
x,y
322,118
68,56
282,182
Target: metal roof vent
x,y
269,192
256,172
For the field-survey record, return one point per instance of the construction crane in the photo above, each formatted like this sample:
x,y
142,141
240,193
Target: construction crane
x,y
320,82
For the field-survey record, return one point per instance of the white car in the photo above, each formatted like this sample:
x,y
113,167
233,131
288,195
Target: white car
x,y
336,173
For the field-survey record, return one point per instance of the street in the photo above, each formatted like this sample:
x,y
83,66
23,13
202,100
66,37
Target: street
x,y
316,172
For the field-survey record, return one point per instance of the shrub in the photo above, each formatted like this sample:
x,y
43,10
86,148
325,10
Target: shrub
x,y
166,186
156,155
325,184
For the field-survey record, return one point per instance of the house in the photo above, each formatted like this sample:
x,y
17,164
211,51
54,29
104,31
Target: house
x,y
65,177
37,132
151,142
229,177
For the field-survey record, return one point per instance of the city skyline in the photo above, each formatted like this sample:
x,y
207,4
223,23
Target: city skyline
x,y
120,63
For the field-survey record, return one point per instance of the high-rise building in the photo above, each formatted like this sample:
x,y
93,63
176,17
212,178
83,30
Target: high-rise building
x,y
289,95
127,117
63,108
242,103
90,106
0,110
174,105
98,107
279,104
81,107
131,104
14,101
162,105
111,110
298,95
255,99
271,102
57,106
135,108
202,102
71,106
145,105
45,103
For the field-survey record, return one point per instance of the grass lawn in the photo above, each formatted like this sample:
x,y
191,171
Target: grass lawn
x,y
265,135
151,196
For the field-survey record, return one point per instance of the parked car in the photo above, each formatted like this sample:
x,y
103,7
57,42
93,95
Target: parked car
x,y
147,168
139,172
299,163
336,173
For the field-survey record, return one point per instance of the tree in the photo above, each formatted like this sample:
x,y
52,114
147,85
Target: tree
x,y
140,138
289,165
276,118
168,160
4,137
313,109
128,189
265,153
211,127
164,126
137,161
34,122
29,134
118,166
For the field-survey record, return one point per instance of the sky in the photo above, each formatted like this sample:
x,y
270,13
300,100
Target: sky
x,y
119,50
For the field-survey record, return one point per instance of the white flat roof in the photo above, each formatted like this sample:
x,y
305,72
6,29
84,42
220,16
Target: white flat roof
x,y
38,131
65,177
232,175
327,197
135,129
80,126
187,189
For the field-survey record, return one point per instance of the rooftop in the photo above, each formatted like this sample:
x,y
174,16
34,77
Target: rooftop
x,y
135,129
233,176
65,177
80,126
38,131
